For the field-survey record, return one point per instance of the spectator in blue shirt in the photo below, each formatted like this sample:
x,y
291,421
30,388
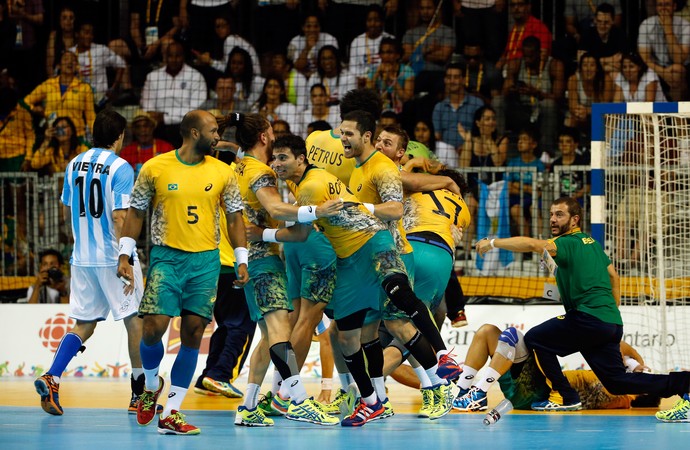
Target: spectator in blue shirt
x,y
521,189
456,111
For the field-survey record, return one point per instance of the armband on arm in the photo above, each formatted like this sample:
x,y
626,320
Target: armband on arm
x,y
306,214
127,246
269,235
241,256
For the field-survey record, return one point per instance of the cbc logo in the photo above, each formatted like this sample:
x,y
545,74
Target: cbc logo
x,y
54,329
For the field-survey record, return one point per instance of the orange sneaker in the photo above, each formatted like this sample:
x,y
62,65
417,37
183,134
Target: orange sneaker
x,y
146,409
47,388
176,424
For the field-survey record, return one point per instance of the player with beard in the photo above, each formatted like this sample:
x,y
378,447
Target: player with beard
x,y
590,290
377,182
266,292
186,189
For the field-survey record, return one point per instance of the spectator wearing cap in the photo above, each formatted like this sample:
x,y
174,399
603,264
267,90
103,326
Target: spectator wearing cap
x,y
144,146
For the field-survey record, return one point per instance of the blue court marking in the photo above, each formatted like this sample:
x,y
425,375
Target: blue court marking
x,y
29,428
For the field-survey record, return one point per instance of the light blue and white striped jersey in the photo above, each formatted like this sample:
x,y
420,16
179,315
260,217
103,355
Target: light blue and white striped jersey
x,y
97,182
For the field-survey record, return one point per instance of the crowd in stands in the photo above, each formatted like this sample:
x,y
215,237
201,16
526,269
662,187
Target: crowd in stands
x,y
482,83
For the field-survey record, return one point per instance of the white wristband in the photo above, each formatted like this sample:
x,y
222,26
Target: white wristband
x,y
370,207
630,363
241,256
127,246
306,214
269,235
326,384
289,223
491,243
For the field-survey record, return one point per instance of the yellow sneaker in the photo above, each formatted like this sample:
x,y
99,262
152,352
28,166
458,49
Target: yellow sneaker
x,y
309,411
245,417
427,402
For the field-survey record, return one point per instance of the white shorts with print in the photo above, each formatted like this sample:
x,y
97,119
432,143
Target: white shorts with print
x,y
95,291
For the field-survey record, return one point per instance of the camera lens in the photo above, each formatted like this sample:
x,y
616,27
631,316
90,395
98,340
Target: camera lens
x,y
55,274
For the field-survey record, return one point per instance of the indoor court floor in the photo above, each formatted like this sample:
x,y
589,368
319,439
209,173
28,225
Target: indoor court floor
x,y
95,417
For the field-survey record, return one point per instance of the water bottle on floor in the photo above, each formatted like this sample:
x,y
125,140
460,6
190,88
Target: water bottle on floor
x,y
499,411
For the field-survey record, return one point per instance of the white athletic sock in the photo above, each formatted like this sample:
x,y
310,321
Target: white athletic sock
x,y
423,377
466,379
251,397
151,376
175,397
380,388
284,390
434,380
277,382
297,392
137,372
371,400
488,377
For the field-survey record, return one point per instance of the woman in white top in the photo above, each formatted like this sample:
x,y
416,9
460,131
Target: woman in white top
x,y
330,73
636,82
248,85
302,50
274,105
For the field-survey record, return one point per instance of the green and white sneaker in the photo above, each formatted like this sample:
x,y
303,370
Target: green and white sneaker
x,y
245,417
309,411
678,413
265,405
427,402
443,401
347,406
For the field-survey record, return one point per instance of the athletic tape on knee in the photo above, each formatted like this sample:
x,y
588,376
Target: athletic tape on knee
x,y
283,358
511,345
398,289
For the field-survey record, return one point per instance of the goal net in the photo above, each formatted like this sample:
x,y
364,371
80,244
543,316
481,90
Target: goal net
x,y
642,153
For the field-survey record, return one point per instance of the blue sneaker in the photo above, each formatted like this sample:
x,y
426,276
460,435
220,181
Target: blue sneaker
x,y
549,405
387,410
448,368
473,400
224,388
363,414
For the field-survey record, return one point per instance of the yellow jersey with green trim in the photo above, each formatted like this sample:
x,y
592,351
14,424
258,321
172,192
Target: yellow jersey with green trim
x,y
187,199
352,227
253,175
378,180
436,212
325,150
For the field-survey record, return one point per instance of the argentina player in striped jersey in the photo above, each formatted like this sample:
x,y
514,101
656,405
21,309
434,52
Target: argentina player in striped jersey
x,y
96,193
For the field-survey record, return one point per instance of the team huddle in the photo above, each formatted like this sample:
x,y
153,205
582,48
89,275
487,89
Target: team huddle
x,y
366,242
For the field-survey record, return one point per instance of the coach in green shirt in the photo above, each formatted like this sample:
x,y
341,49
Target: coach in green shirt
x,y
590,291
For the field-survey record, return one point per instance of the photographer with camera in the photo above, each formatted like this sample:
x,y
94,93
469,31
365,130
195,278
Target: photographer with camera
x,y
60,144
51,285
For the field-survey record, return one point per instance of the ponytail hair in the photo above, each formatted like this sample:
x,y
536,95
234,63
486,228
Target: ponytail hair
x,y
249,127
